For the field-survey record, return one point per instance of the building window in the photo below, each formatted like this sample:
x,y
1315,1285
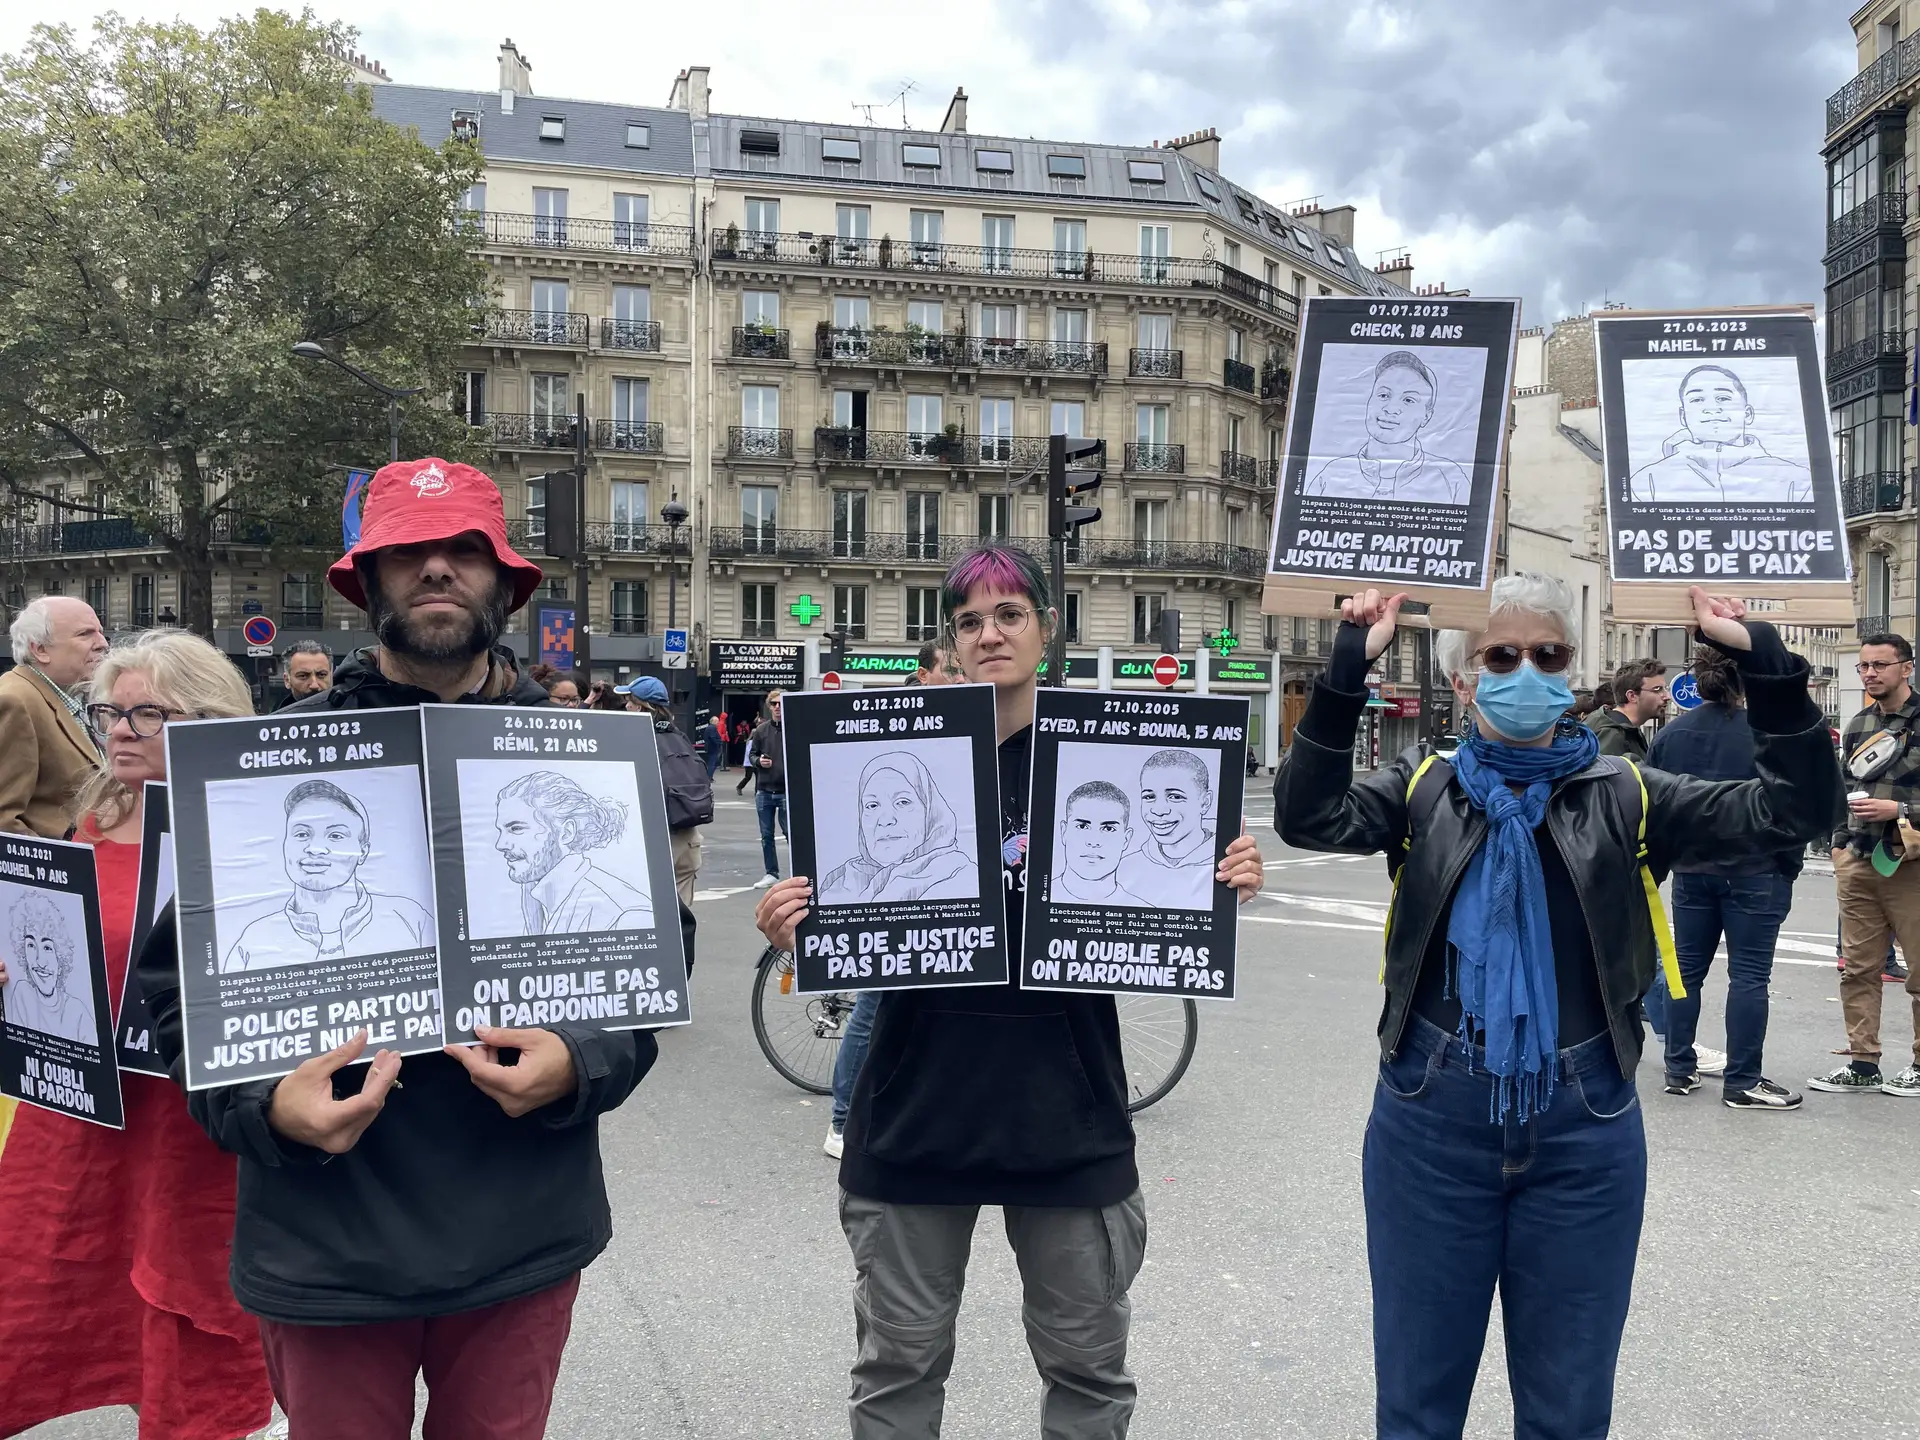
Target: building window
x,y
850,611
142,601
923,525
1207,187
923,423
629,609
1868,432
1146,618
1150,528
1156,333
849,524
926,228
536,512
629,514
1069,247
549,216
474,200
1066,167
549,320
1070,327
852,222
1150,424
1879,584
552,413
639,137
837,148
1853,177
1232,251
923,614
1270,275
926,317
996,431
756,612
553,127
473,396
630,400
920,157
630,214
97,596
995,515
1070,617
302,601
759,512
760,407
760,309
763,219
1234,516
632,317
1236,347
1233,618
994,162
53,587
1156,250
1069,418
996,243
852,312
760,142
1146,172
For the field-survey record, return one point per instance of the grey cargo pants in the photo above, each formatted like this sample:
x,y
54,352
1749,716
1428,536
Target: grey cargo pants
x,y
910,1264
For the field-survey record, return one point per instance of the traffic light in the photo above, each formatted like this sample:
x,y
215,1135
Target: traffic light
x,y
1169,632
562,510
833,650
1073,470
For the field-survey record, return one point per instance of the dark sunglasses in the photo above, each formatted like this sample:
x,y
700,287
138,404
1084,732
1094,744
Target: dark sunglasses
x,y
1551,658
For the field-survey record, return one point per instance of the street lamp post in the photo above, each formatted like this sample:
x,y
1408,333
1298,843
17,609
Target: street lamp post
x,y
675,514
308,350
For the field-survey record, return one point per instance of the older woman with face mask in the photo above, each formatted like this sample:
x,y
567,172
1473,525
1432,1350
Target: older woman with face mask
x,y
118,1241
1505,1147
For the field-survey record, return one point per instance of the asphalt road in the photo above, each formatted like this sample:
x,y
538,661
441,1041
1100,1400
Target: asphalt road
x,y
1775,1294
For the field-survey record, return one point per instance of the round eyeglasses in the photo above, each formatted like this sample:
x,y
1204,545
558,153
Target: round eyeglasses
x,y
1552,658
145,720
1008,619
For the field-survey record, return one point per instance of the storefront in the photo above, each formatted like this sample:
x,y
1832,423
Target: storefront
x,y
740,675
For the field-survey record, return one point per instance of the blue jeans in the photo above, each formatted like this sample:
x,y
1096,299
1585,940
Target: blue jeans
x,y
1653,1004
716,757
767,806
1549,1211
853,1053
1748,910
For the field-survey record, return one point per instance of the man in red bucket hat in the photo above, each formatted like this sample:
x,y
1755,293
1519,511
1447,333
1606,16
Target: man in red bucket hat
x,y
441,1225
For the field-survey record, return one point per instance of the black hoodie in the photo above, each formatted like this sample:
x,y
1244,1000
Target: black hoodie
x,y
445,1204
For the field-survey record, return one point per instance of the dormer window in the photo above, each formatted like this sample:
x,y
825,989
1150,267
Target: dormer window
x,y
553,127
922,157
833,148
759,142
1146,172
995,162
639,136
1066,167
1207,187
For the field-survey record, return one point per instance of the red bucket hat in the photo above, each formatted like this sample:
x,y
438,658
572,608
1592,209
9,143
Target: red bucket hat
x,y
414,500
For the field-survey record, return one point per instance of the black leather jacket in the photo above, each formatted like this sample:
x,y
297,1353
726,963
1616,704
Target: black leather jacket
x,y
1319,805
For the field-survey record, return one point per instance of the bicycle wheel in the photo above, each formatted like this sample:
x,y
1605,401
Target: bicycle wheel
x,y
799,1034
1157,1036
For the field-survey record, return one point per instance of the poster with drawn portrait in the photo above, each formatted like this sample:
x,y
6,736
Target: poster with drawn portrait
x,y
1394,441
554,870
154,888
894,801
1718,467
1135,800
303,889
56,1027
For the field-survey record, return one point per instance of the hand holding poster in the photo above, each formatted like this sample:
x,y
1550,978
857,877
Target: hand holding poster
x,y
151,893
1396,437
895,804
1135,799
56,1030
304,890
553,870
1718,468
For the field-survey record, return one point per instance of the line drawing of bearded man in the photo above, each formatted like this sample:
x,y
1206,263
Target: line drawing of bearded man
x,y
544,826
909,840
1713,457
41,962
1392,464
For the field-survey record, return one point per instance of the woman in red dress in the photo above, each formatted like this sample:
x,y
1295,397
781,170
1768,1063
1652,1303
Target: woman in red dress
x,y
118,1241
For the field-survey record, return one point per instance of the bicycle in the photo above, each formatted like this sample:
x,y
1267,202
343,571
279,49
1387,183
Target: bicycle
x,y
800,1034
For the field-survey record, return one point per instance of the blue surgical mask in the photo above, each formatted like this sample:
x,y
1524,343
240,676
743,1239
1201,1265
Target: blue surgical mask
x,y
1522,704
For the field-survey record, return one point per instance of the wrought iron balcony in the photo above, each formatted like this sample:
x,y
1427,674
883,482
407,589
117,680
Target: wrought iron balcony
x,y
736,247
532,432
1241,469
759,442
1269,474
118,532
630,335
1274,380
309,618
841,445
870,546
1875,493
562,232
1861,93
1156,364
633,437
537,327
1238,376
1161,459
1204,556
838,346
752,342
1888,208
1873,624
1864,352
609,537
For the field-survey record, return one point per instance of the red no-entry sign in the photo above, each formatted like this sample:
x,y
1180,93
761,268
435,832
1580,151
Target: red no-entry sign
x,y
1166,669
830,680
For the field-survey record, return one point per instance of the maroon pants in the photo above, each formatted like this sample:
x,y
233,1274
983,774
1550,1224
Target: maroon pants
x,y
489,1372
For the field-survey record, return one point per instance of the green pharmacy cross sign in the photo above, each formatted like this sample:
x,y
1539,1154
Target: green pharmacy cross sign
x,y
805,610
1226,642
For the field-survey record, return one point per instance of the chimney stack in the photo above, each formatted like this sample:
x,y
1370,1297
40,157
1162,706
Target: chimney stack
x,y
1397,269
1202,147
516,76
956,121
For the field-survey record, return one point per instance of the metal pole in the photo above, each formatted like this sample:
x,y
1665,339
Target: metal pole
x,y
1057,649
582,629
1424,659
393,429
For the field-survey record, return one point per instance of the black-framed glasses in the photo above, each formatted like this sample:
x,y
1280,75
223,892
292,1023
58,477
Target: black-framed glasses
x,y
1551,658
1008,619
146,720
1872,667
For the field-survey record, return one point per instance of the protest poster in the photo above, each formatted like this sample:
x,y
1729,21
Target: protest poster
x,y
1394,454
1135,799
303,890
151,893
553,870
56,1030
1719,471
894,799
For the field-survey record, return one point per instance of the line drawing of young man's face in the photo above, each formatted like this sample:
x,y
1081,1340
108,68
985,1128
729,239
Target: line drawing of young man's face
x,y
1714,408
40,956
325,844
893,818
1399,406
526,841
1173,806
1094,836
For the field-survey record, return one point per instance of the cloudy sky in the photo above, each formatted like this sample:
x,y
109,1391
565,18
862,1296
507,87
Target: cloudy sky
x,y
1658,152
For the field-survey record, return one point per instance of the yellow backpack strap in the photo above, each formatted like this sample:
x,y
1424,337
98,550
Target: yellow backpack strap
x,y
1657,912
1406,844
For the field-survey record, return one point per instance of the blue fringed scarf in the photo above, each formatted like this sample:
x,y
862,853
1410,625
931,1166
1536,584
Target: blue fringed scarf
x,y
1499,940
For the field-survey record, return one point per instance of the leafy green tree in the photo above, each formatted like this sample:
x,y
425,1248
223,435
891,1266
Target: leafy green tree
x,y
178,208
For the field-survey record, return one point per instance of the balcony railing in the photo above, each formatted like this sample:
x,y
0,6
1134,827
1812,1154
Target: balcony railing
x,y
630,335
1241,469
873,546
1270,474
532,432
752,343
1156,364
560,232
733,246
838,346
116,532
1161,459
1199,555
759,442
1873,624
538,327
306,618
1238,376
1860,93
1864,352
1274,380
1875,493
633,437
608,537
1888,208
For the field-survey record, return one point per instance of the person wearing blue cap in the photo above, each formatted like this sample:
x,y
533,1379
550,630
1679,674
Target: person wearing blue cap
x,y
688,785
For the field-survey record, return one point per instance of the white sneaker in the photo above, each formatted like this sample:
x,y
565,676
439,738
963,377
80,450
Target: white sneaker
x,y
1709,1061
834,1143
766,882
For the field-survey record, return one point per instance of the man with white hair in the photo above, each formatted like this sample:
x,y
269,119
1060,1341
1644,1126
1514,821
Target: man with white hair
x,y
45,748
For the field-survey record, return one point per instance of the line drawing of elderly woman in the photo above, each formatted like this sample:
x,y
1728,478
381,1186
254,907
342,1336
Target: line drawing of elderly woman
x,y
40,995
909,840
